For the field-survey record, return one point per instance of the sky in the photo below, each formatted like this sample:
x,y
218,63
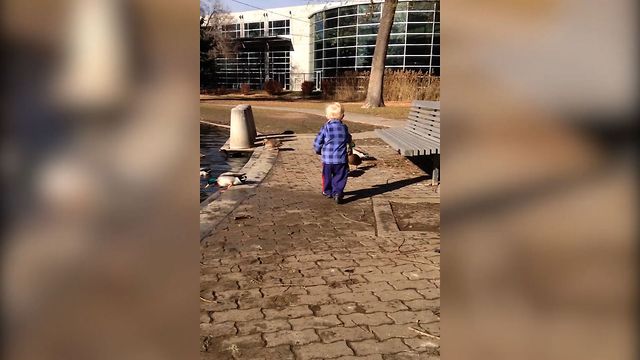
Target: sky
x,y
234,6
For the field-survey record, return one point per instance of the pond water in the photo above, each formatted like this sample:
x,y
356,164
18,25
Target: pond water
x,y
211,140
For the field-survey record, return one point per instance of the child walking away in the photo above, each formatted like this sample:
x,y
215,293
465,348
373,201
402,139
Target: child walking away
x,y
331,143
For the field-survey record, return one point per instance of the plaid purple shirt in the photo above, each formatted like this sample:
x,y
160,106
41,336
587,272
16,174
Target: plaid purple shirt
x,y
332,142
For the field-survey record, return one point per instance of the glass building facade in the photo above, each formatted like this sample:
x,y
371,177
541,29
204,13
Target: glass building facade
x,y
344,38
341,38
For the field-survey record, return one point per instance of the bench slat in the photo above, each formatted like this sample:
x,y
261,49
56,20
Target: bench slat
x,y
407,143
426,103
421,133
403,144
422,125
414,115
425,112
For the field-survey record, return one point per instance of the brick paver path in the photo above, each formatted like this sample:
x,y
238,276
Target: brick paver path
x,y
291,275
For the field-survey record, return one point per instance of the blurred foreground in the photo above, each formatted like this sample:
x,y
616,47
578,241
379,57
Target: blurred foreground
x,y
539,180
100,158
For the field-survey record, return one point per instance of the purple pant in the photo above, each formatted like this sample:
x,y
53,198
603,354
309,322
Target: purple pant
x,y
334,178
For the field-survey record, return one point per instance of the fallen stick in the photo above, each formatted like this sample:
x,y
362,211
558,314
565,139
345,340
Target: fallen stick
x,y
421,262
361,222
424,333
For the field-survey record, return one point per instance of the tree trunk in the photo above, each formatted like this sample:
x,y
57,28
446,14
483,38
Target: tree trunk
x,y
376,79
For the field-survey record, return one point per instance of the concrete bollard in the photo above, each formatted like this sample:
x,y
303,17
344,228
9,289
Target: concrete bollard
x,y
242,132
253,133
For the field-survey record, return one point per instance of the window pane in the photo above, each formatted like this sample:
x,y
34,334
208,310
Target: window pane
x,y
331,53
344,52
330,33
281,31
365,50
398,28
348,31
319,26
420,5
397,39
436,50
348,21
348,10
435,61
368,29
400,17
331,13
418,50
395,50
350,41
368,8
418,39
415,60
331,43
366,40
369,18
401,6
329,24
396,60
419,28
347,62
318,54
318,64
364,61
420,17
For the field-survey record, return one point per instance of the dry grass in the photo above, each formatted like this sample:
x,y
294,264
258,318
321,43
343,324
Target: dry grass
x,y
399,85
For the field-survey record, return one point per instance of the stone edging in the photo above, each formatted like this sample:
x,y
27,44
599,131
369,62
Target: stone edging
x,y
220,206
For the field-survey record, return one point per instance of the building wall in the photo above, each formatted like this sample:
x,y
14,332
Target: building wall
x,y
331,38
300,61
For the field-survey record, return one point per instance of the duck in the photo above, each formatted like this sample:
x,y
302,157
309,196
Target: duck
x,y
272,143
204,172
229,179
354,160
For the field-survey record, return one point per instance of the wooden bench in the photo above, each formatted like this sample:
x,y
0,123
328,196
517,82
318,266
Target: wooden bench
x,y
421,134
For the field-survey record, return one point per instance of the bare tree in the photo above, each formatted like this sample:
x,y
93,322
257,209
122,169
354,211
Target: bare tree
x,y
376,79
214,42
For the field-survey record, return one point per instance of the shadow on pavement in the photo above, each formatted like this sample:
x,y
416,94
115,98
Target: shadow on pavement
x,y
360,170
380,189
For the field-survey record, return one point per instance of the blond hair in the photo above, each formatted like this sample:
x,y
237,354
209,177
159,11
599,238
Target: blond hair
x,y
334,111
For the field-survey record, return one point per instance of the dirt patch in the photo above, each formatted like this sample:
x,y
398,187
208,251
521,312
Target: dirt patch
x,y
392,109
275,121
282,301
417,216
341,284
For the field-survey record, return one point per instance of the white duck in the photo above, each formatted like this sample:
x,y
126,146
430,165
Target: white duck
x,y
229,179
